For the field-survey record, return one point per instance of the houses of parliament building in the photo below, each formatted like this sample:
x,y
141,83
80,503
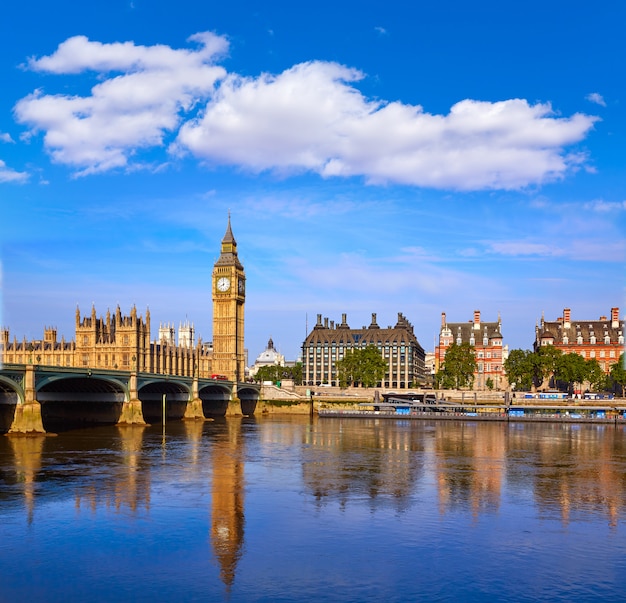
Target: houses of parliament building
x,y
120,342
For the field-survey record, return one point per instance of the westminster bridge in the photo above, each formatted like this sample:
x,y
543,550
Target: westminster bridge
x,y
39,399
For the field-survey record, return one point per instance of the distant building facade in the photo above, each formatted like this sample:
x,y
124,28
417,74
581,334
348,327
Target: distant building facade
x,y
328,342
602,339
485,338
113,342
268,357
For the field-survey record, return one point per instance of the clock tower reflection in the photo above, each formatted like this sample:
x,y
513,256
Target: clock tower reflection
x,y
227,500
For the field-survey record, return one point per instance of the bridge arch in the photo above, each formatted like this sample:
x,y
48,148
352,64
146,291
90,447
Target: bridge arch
x,y
249,396
155,393
11,394
73,400
215,397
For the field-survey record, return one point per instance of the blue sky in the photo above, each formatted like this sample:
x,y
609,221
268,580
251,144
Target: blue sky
x,y
375,157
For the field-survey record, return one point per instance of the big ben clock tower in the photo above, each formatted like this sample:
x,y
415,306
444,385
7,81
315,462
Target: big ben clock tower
x,y
229,294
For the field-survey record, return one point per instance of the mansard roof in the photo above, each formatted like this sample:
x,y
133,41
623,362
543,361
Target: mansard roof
x,y
342,334
465,330
600,329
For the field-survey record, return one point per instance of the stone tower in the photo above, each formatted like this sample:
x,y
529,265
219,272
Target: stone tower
x,y
229,292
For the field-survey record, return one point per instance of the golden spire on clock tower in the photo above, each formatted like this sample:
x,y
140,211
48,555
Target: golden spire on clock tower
x,y
229,290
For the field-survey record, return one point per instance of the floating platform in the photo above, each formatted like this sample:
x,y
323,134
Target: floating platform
x,y
479,412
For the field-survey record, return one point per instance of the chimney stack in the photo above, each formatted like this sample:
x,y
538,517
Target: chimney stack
x,y
566,318
614,318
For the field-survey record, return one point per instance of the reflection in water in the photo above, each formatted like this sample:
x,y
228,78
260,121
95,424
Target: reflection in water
x,y
127,483
469,465
384,493
27,453
227,500
372,458
578,470
566,466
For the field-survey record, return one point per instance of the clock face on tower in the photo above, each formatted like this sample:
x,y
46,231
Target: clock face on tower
x,y
223,284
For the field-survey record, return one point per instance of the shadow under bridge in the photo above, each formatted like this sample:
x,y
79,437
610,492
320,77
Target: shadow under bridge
x,y
159,396
71,401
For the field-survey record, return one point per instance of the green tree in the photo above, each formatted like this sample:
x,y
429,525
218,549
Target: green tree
x,y
571,369
618,375
373,366
545,362
277,373
361,366
595,375
520,368
459,366
489,383
347,368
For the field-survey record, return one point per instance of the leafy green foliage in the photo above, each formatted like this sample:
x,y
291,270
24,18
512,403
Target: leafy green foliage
x,y
618,374
520,369
458,367
361,366
525,369
276,373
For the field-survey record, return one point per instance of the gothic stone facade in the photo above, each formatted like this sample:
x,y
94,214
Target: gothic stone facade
x,y
327,343
602,339
485,338
229,295
114,342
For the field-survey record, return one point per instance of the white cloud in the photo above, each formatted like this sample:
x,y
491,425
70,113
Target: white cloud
x,y
141,100
310,118
5,137
9,175
528,248
596,98
601,206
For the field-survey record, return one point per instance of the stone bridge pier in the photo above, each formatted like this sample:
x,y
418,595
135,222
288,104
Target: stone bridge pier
x,y
36,399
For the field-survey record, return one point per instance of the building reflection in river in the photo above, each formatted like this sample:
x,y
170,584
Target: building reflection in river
x,y
227,497
566,466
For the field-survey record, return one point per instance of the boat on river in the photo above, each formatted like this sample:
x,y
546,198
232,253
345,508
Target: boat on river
x,y
392,408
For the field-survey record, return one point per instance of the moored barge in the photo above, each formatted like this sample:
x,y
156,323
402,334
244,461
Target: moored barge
x,y
403,409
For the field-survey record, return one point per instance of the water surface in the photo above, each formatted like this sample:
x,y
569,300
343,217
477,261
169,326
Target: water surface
x,y
294,509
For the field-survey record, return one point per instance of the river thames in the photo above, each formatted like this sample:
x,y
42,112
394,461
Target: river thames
x,y
316,509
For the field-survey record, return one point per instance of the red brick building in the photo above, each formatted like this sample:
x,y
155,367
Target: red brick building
x,y
486,338
602,339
